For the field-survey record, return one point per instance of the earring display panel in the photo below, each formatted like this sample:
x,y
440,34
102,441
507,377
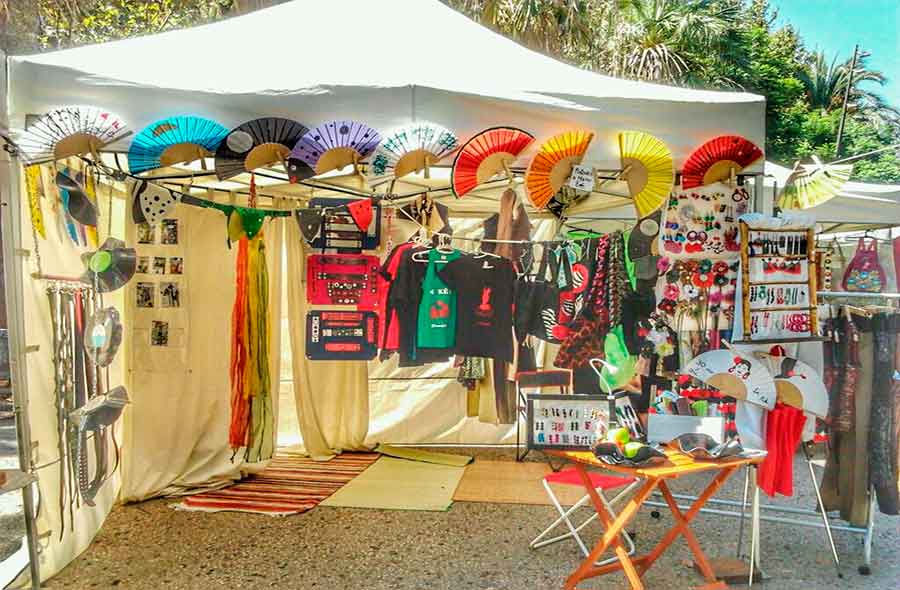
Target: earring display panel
x,y
779,284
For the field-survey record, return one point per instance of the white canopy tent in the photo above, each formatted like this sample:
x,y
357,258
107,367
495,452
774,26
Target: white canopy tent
x,y
384,63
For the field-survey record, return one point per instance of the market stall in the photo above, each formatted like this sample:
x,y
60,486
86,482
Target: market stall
x,y
198,199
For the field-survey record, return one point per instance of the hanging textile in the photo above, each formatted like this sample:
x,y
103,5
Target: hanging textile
x,y
883,426
784,426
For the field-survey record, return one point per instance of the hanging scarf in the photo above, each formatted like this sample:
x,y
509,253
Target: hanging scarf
x,y
252,418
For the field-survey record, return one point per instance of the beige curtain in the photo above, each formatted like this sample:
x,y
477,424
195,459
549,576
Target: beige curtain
x,y
332,396
176,430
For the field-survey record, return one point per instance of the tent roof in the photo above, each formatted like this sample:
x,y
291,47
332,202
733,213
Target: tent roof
x,y
859,205
386,63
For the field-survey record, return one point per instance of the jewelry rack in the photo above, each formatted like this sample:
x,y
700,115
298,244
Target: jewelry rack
x,y
794,249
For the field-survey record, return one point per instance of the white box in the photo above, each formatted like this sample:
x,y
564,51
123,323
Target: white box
x,y
662,428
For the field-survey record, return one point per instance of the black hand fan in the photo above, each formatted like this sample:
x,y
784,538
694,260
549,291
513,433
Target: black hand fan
x,y
256,143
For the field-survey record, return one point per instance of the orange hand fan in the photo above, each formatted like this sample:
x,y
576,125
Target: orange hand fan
x,y
714,160
483,156
550,168
647,168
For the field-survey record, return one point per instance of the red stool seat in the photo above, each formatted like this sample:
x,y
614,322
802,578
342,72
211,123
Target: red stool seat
x,y
570,477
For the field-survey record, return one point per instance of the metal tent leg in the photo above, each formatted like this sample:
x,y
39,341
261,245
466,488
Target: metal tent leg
x,y
812,475
740,539
866,568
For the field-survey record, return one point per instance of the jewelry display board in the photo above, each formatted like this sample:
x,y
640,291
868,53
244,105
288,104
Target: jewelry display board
x,y
778,284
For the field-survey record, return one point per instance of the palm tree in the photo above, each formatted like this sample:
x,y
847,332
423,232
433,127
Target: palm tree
x,y
655,39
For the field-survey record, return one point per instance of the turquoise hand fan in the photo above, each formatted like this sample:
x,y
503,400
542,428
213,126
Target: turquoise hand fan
x,y
174,140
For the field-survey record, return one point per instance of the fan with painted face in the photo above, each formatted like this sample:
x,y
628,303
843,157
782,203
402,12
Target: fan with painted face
x,y
257,143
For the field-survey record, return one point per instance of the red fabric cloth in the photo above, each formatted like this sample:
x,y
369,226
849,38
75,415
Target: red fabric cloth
x,y
570,477
784,427
388,324
361,212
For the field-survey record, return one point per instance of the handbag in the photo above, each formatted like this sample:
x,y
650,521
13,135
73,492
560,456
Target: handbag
x,y
538,300
864,273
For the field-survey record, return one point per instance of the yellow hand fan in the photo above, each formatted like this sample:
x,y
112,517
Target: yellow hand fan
x,y
648,170
813,184
552,165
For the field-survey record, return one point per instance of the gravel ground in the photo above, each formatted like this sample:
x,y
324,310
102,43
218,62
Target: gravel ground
x,y
472,546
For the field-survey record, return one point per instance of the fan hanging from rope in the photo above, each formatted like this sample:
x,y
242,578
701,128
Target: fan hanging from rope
x,y
552,165
334,145
715,160
485,155
813,184
174,140
413,147
647,169
70,131
255,144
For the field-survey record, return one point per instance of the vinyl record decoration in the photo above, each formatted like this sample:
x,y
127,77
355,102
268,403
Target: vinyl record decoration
x,y
70,131
552,165
715,160
648,170
483,157
342,279
81,208
257,143
341,335
174,140
334,145
339,230
110,267
102,336
410,148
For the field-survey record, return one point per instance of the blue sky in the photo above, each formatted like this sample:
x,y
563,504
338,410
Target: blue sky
x,y
836,25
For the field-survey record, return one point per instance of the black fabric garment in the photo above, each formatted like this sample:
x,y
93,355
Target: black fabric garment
x,y
882,430
485,291
404,296
636,307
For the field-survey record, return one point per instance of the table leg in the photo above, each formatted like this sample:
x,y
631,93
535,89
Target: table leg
x,y
681,526
611,536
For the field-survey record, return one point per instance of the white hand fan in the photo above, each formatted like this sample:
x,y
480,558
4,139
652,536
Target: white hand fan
x,y
408,149
70,131
737,376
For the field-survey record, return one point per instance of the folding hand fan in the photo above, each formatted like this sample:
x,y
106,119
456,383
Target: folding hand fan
x,y
484,155
648,170
335,144
255,144
409,149
797,384
174,140
70,131
111,266
714,160
741,377
814,184
551,166
154,202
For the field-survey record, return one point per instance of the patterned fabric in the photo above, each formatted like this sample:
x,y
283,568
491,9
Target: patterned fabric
x,y
289,485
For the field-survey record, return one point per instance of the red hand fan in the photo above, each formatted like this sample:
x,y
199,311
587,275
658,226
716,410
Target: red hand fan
x,y
484,156
714,160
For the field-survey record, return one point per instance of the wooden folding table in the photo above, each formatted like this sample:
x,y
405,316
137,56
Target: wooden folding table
x,y
655,477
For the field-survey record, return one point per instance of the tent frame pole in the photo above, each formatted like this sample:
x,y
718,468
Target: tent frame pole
x,y
13,255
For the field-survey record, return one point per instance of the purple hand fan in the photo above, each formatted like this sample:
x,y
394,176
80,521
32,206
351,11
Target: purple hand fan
x,y
256,143
335,144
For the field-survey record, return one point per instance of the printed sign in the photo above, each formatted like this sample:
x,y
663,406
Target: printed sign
x,y
565,422
582,178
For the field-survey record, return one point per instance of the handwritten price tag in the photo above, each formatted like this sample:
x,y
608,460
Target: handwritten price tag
x,y
582,178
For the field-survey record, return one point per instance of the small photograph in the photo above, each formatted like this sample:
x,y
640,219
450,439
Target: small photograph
x,y
159,334
159,265
143,265
176,265
169,231
146,293
146,233
170,295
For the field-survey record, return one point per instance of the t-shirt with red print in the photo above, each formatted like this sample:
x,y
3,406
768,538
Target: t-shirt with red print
x,y
485,291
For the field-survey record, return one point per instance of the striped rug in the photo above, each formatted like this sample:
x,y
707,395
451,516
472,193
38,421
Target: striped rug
x,y
289,485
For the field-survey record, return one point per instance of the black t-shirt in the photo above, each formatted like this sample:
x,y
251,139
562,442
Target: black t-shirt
x,y
485,290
